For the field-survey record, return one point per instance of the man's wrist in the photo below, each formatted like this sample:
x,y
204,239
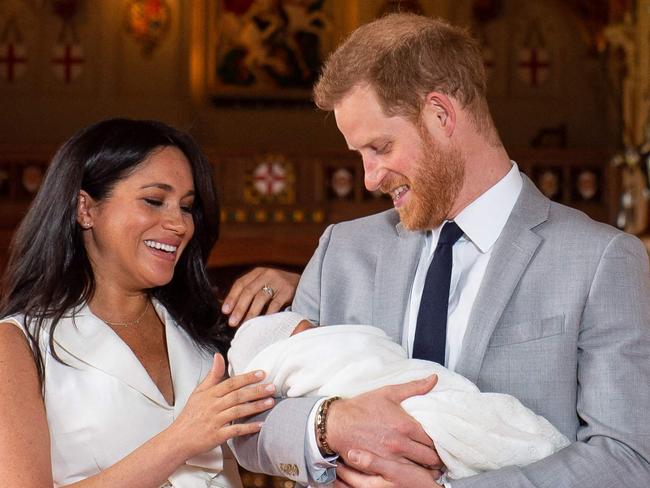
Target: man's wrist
x,y
320,426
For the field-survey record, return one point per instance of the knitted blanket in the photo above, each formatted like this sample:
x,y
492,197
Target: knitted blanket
x,y
472,431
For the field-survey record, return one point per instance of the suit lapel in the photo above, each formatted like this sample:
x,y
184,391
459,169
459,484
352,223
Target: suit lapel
x,y
91,341
510,257
396,264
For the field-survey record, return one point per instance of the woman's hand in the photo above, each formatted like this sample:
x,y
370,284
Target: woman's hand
x,y
205,422
257,289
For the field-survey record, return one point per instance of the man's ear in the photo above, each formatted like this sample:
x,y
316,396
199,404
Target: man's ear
x,y
439,113
85,205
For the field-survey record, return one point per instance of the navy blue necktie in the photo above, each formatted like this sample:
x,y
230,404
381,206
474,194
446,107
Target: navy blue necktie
x,y
431,328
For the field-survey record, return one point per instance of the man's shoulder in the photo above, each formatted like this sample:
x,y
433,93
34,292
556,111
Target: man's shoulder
x,y
576,222
374,224
551,218
576,229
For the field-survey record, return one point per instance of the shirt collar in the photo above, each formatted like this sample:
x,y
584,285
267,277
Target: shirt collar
x,y
483,220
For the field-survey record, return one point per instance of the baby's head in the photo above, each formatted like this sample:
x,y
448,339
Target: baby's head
x,y
260,332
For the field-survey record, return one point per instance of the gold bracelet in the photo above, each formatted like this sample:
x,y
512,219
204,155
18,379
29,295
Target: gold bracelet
x,y
321,426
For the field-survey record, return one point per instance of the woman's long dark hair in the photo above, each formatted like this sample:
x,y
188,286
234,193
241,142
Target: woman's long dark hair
x,y
49,274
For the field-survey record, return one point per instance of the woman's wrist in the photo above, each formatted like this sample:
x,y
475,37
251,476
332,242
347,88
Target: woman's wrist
x,y
176,444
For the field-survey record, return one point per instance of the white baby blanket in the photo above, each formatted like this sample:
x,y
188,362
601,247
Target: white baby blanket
x,y
472,431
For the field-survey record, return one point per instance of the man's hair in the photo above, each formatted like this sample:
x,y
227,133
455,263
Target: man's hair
x,y
404,57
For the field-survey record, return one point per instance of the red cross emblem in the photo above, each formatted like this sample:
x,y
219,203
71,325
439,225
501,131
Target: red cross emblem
x,y
13,61
534,65
67,61
269,178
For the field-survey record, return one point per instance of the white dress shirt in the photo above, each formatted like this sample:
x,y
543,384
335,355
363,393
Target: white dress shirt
x,y
481,222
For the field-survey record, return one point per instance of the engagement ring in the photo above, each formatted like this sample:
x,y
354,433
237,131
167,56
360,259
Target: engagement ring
x,y
269,291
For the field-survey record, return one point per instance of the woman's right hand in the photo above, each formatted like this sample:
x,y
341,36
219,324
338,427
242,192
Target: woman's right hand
x,y
205,421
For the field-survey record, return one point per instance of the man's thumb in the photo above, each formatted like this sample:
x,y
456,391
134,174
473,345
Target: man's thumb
x,y
422,386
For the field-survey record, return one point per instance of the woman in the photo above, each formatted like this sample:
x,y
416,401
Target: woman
x,y
106,370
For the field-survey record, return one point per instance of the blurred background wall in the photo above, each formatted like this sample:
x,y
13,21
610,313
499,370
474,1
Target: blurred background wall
x,y
568,88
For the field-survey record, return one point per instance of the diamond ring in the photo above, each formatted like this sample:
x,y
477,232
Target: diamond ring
x,y
269,291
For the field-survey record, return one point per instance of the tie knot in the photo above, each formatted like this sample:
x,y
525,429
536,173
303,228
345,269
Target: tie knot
x,y
450,233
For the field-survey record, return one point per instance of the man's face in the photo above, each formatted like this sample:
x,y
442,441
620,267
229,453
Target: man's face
x,y
401,159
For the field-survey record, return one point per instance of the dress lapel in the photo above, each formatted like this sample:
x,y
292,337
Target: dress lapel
x,y
187,362
512,253
189,365
396,264
89,340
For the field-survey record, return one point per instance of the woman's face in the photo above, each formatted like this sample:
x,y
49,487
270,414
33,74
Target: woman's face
x,y
137,234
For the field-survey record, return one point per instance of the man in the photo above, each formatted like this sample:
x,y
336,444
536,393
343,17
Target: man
x,y
543,303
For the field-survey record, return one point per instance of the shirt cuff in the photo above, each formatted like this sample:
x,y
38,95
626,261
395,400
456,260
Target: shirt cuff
x,y
321,470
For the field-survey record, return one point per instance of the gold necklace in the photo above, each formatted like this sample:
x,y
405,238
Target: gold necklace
x,y
126,324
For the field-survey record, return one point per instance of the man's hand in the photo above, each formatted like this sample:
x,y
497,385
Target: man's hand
x,y
247,298
375,422
366,470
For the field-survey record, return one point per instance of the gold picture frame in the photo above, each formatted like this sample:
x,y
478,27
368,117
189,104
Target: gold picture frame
x,y
268,50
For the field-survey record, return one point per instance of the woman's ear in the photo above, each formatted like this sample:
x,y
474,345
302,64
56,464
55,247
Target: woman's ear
x,y
440,111
85,203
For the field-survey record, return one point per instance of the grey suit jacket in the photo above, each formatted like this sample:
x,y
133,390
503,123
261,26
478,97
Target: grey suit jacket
x,y
561,321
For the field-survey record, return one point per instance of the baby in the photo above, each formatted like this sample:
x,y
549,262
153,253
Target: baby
x,y
472,431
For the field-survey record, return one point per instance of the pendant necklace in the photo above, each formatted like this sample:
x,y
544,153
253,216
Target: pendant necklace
x,y
129,323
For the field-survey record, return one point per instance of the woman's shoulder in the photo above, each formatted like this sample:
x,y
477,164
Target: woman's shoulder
x,y
17,320
13,336
30,326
